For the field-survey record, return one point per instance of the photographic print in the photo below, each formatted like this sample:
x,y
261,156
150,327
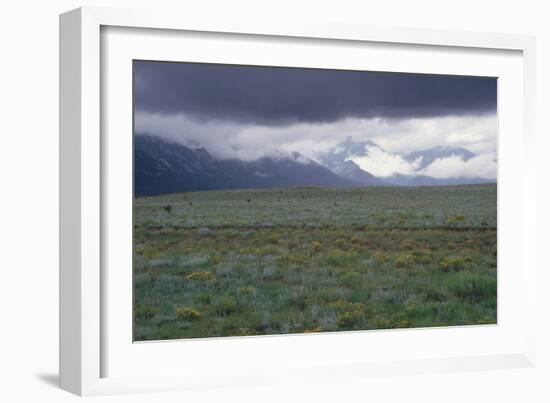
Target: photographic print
x,y
282,200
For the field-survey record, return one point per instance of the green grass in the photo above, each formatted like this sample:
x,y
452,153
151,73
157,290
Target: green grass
x,y
254,262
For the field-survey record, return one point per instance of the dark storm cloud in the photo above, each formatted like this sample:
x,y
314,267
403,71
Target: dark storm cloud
x,y
277,96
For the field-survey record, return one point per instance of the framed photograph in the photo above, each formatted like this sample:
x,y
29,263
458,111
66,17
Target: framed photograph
x,y
250,202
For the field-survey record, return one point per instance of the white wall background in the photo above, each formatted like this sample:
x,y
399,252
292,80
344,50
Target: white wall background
x,y
29,200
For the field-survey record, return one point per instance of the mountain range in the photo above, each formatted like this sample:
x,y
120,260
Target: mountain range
x,y
162,167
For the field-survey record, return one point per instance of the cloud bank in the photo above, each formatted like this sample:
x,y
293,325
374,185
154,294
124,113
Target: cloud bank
x,y
228,139
282,96
480,166
246,112
383,164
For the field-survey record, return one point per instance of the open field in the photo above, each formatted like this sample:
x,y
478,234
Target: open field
x,y
253,262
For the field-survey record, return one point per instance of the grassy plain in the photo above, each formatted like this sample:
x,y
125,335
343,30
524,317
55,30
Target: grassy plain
x,y
255,262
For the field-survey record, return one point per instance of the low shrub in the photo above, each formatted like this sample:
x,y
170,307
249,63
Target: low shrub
x,y
204,298
385,323
339,242
272,239
200,276
265,251
472,286
225,306
351,318
313,330
244,331
146,312
405,260
380,257
326,295
456,219
350,279
407,244
340,258
317,246
422,256
449,263
434,294
401,324
247,251
187,313
342,305
342,244
296,260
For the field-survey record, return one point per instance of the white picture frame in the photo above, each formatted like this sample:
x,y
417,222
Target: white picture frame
x,y
86,345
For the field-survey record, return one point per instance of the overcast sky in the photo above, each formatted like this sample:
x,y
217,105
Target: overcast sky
x,y
245,112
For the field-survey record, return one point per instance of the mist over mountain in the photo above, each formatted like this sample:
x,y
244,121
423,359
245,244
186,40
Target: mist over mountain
x,y
427,157
351,160
163,167
338,160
